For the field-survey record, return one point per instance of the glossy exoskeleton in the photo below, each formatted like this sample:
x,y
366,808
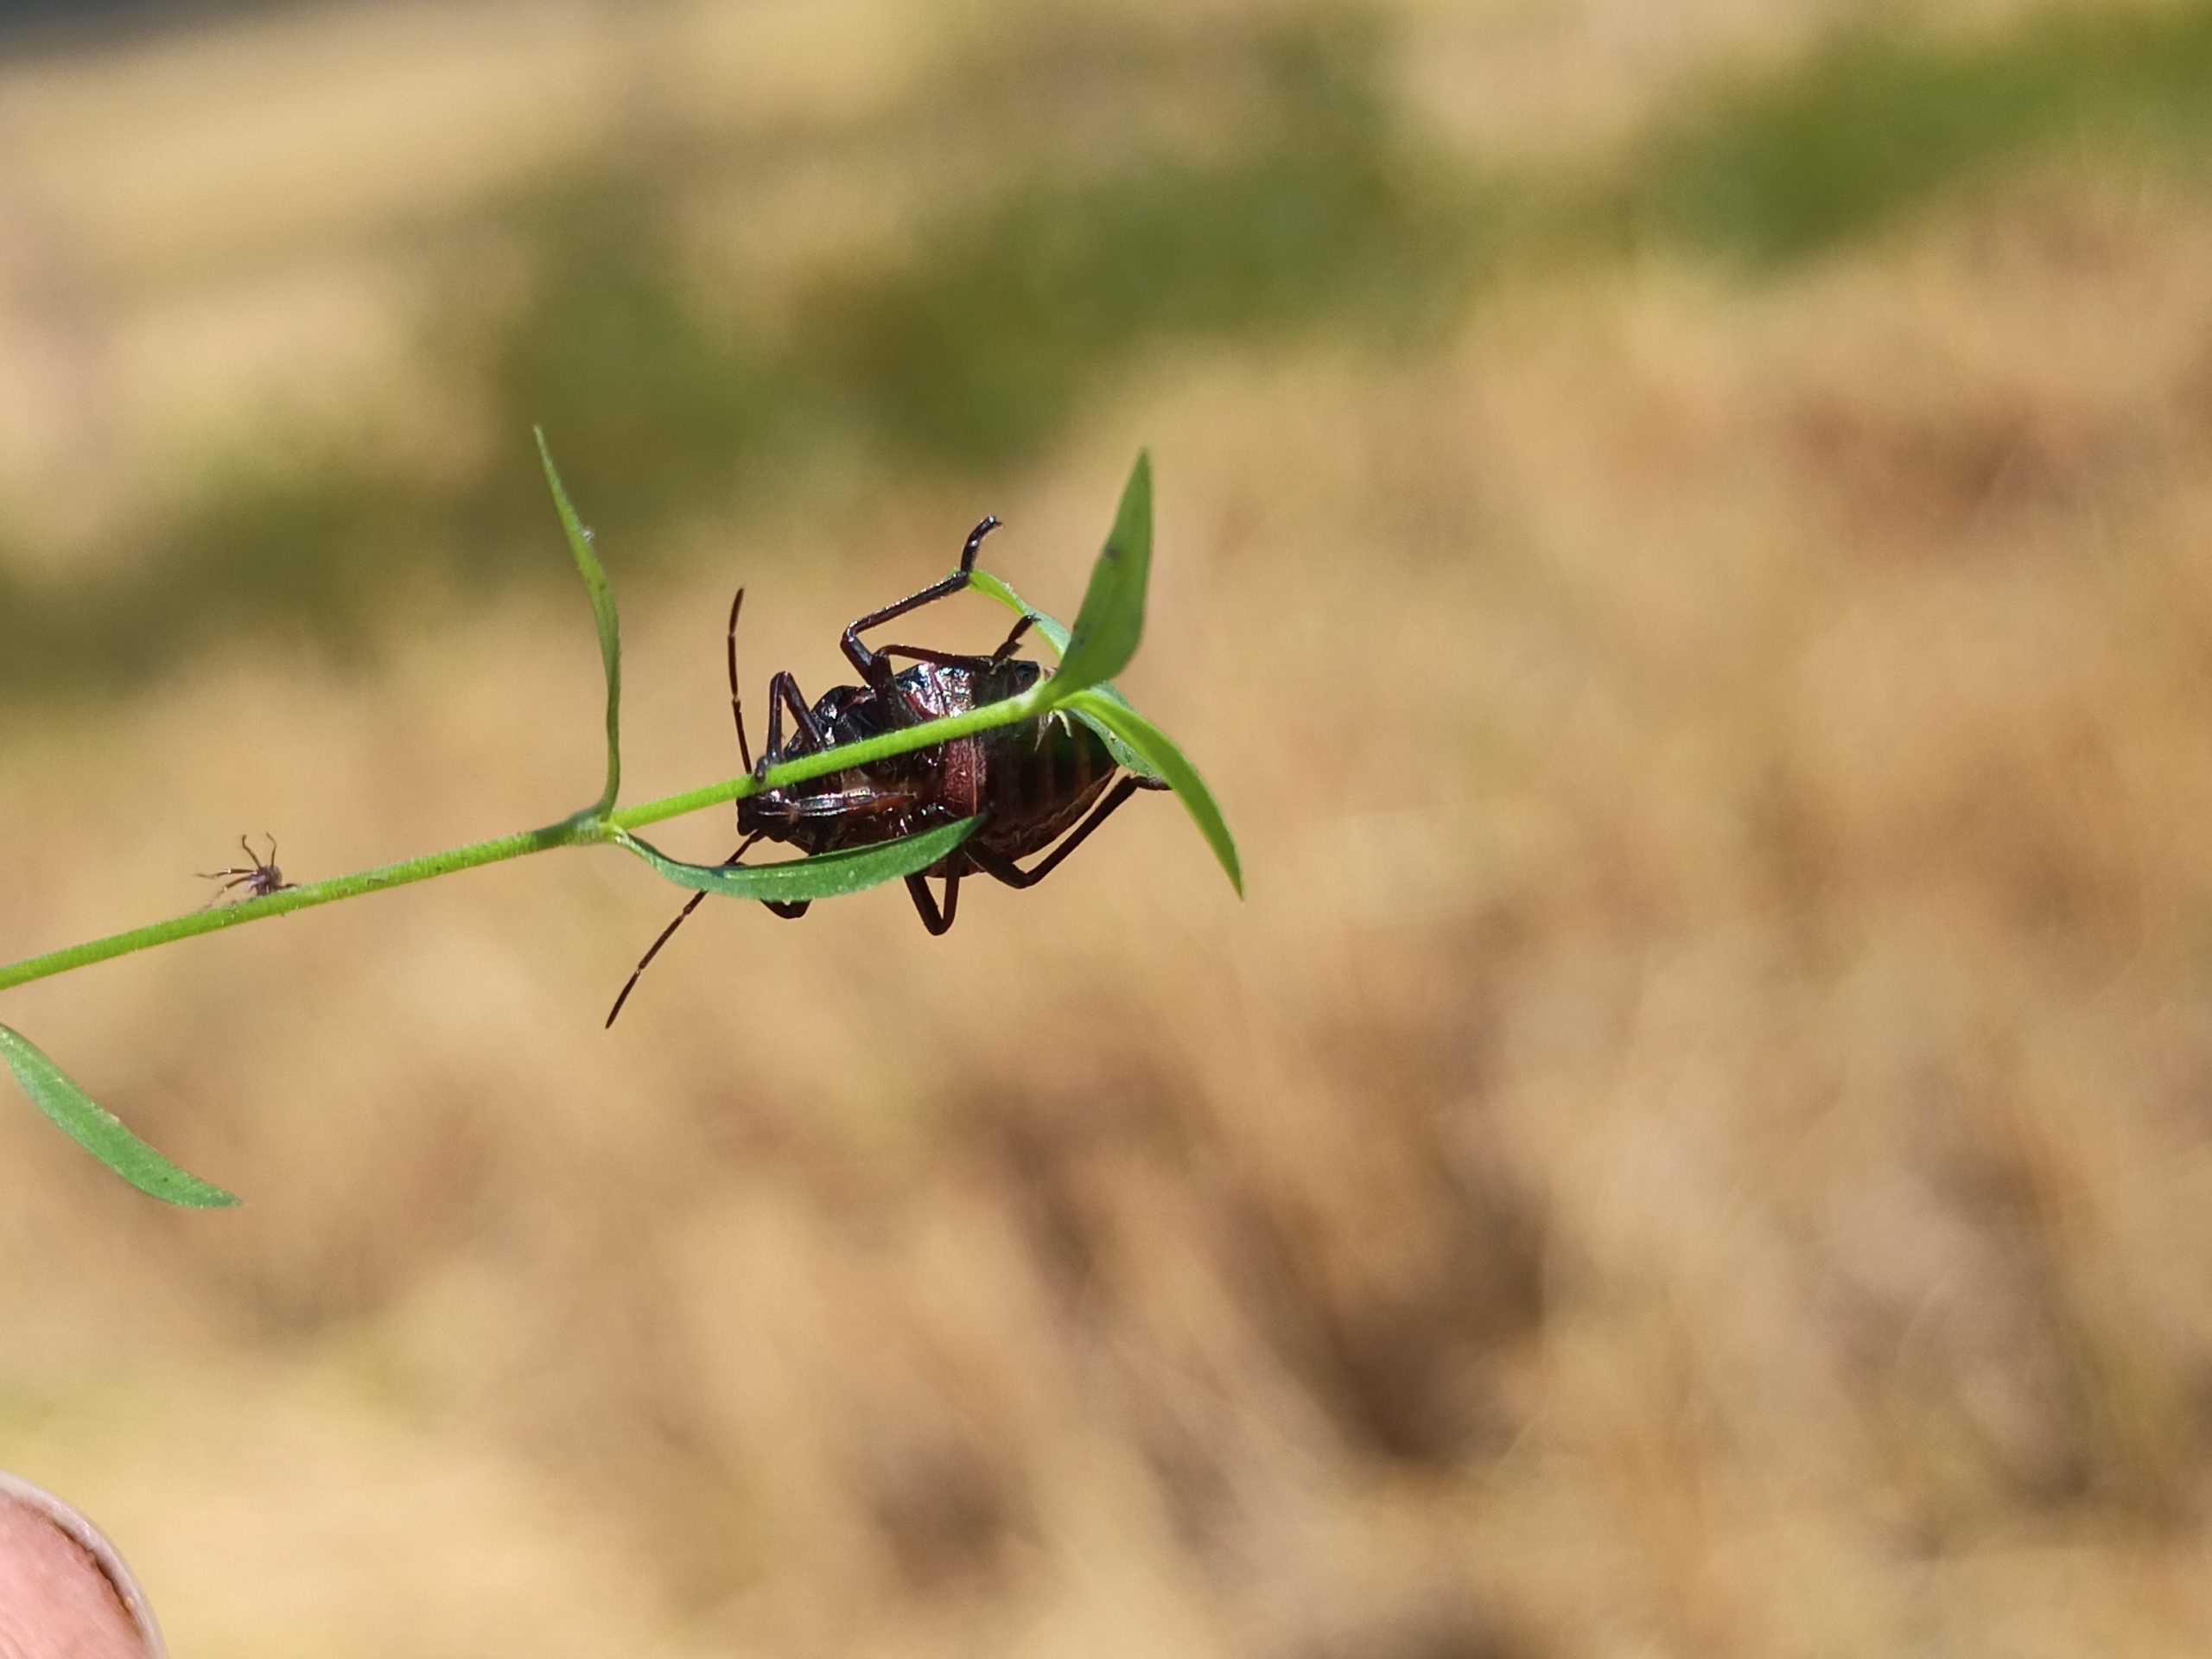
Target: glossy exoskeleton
x,y
1032,782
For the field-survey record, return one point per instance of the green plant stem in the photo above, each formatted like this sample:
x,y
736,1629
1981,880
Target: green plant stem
x,y
843,758
571,833
586,828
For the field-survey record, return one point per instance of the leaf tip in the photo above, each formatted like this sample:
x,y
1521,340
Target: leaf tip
x,y
1137,496
100,1132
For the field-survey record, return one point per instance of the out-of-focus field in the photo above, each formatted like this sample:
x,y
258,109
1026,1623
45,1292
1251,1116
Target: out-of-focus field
x,y
1700,1141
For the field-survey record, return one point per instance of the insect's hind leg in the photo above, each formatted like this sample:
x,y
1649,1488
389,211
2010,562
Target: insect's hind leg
x,y
872,668
1005,870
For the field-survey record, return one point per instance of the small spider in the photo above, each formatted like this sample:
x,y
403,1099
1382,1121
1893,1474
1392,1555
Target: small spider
x,y
259,876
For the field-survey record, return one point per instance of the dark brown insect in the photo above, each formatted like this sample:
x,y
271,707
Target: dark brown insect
x,y
258,876
1033,783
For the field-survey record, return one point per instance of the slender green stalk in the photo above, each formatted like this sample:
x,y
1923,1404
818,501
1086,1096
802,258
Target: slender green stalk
x,y
1099,646
585,829
301,897
843,758
1104,639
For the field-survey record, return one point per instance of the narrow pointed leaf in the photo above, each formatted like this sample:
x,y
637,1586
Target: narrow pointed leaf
x,y
610,627
1123,755
1149,741
827,875
1049,629
1056,635
1111,622
100,1132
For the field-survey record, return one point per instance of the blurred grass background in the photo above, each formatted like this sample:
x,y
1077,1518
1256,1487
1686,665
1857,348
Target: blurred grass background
x,y
1681,550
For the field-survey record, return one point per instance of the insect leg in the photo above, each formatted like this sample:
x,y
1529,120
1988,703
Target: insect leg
x,y
938,922
877,673
817,737
791,910
783,691
227,881
1005,870
924,654
959,659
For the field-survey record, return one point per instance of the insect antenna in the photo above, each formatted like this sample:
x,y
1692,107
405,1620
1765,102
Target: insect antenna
x,y
737,701
669,932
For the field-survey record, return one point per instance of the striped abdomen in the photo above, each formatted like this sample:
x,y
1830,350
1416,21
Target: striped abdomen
x,y
1038,778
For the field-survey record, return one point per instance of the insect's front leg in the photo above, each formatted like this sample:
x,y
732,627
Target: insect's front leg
x,y
872,669
784,692
1014,639
966,660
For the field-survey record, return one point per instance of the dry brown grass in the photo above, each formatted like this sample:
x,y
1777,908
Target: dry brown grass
x,y
1697,1144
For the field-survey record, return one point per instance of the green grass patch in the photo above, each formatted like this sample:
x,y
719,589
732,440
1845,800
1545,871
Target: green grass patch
x,y
979,350
1878,124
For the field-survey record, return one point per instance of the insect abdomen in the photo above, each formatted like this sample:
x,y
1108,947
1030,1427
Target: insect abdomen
x,y
1040,779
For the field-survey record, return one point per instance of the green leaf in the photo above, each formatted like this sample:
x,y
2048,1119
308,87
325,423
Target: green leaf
x,y
1123,755
995,587
610,627
827,875
1111,622
1149,741
1056,635
100,1132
